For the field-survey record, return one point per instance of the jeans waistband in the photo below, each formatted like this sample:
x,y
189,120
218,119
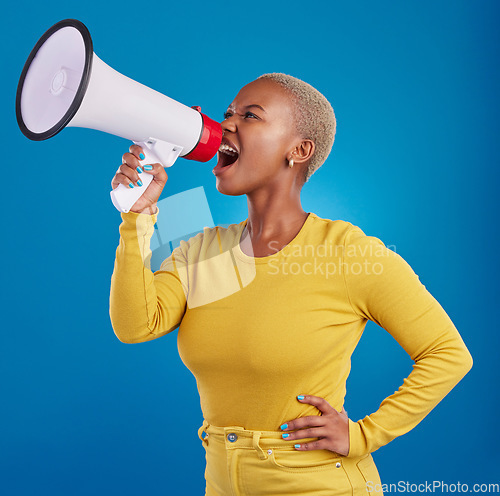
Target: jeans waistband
x,y
236,437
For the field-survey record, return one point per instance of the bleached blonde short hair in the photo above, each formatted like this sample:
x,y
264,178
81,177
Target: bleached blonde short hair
x,y
314,117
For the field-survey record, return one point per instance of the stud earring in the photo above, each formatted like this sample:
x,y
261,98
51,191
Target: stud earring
x,y
290,163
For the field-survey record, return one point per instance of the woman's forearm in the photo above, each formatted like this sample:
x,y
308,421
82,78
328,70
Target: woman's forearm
x,y
143,305
435,373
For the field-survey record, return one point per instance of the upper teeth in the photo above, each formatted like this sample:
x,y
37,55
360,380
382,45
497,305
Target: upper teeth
x,y
226,149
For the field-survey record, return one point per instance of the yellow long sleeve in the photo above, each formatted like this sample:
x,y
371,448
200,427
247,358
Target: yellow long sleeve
x,y
388,292
143,305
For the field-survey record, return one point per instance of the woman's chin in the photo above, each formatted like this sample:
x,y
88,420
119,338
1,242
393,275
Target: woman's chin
x,y
226,188
230,187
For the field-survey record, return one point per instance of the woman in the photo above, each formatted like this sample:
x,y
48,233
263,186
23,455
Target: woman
x,y
271,309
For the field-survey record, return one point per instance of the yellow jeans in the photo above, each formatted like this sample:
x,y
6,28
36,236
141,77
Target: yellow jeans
x,y
243,462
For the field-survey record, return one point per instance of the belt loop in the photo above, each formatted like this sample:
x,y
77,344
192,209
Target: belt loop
x,y
256,445
203,429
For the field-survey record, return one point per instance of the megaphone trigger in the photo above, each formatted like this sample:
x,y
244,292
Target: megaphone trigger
x,y
160,151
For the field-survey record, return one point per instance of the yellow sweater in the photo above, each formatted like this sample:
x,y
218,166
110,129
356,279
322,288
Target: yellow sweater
x,y
256,332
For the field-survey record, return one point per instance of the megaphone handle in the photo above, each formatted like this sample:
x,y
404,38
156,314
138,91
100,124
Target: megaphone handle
x,y
124,197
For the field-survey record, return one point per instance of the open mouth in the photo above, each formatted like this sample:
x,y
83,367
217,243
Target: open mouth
x,y
227,155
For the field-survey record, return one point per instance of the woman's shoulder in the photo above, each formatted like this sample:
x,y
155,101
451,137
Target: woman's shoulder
x,y
348,234
337,229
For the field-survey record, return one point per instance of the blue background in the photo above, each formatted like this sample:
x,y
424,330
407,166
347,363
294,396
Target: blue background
x,y
415,89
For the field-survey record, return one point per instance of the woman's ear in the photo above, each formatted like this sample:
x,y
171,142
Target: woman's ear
x,y
303,152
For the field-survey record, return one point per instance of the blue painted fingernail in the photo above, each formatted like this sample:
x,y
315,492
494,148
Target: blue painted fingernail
x,y
148,167
283,427
139,183
297,446
139,170
300,397
142,156
285,435
131,185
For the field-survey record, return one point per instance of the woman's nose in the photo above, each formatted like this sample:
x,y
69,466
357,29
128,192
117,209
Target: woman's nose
x,y
229,124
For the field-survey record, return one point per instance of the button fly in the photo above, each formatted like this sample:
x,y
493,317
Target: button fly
x,y
232,437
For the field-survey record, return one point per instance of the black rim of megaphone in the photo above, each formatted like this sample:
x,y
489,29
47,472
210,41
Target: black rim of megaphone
x,y
82,88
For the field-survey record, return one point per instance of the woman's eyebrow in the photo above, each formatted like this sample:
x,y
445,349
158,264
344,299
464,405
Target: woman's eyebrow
x,y
255,105
232,108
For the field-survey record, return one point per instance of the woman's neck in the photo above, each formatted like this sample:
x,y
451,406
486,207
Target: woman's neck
x,y
270,219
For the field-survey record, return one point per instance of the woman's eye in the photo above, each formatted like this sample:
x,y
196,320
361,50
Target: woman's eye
x,y
247,114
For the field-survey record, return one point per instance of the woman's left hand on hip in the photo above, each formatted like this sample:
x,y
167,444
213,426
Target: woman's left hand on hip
x,y
331,428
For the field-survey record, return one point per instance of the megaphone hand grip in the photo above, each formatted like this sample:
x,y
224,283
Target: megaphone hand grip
x,y
155,152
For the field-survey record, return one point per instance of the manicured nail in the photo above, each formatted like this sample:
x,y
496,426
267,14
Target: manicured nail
x,y
297,446
142,156
131,185
139,183
283,427
148,167
300,397
139,170
284,435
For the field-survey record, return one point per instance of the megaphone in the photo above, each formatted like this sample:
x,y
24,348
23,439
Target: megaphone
x,y
65,84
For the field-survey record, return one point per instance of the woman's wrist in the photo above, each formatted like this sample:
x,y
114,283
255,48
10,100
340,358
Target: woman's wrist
x,y
148,210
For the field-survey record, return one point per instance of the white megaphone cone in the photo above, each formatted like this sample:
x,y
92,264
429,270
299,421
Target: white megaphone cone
x,y
65,84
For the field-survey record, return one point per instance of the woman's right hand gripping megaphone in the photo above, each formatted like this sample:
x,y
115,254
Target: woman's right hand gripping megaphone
x,y
128,175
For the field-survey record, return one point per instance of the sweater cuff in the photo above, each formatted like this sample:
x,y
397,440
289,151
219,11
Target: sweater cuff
x,y
357,442
140,222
